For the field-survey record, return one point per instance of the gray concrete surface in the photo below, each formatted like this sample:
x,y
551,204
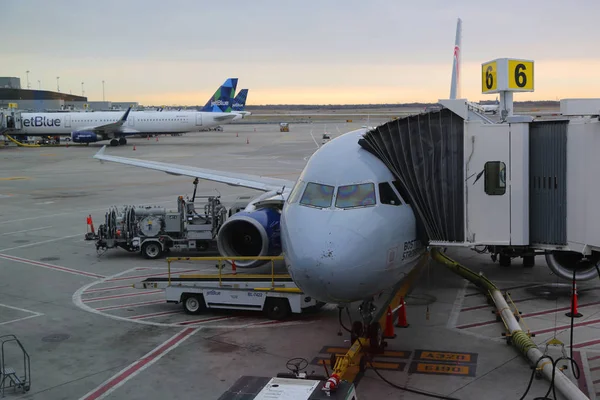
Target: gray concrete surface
x,y
83,325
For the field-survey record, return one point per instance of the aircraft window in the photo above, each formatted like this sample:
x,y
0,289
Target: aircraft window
x,y
317,195
495,178
402,192
296,191
350,196
387,195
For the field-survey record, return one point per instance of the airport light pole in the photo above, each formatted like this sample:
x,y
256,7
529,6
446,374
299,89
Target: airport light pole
x,y
82,92
102,90
39,84
27,72
57,87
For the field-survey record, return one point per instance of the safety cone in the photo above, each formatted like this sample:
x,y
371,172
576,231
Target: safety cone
x,y
247,141
233,270
574,312
134,147
157,138
389,324
402,323
148,137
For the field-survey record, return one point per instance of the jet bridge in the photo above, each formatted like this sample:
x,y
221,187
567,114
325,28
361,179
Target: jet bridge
x,y
519,187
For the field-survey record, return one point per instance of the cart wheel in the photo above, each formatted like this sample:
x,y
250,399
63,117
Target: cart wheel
x,y
277,308
376,338
151,250
193,304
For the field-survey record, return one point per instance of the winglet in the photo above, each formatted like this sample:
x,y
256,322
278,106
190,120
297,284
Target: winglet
x,y
100,152
124,117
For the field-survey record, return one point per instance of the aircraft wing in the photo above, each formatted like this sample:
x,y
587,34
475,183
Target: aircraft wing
x,y
230,178
113,126
225,117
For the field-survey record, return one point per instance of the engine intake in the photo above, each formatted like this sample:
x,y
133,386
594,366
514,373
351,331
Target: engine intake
x,y
251,234
85,137
562,264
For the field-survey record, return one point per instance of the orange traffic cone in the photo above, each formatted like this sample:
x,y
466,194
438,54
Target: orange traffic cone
x,y
148,137
157,138
233,270
574,312
389,325
134,147
402,323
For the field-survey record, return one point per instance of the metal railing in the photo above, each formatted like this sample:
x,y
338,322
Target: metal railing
x,y
221,264
21,381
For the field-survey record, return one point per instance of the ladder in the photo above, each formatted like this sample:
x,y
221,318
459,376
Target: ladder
x,y
9,376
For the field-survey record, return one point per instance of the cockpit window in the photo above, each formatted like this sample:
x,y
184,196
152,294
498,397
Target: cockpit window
x,y
296,191
351,196
317,195
387,195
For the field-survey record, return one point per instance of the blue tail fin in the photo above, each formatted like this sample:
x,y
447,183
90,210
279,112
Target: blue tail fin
x,y
223,98
239,103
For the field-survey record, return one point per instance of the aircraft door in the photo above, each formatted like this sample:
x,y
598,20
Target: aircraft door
x,y
487,152
198,119
67,121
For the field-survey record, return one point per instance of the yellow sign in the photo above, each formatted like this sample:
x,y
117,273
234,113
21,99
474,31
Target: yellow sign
x,y
442,356
12,105
489,81
427,368
520,75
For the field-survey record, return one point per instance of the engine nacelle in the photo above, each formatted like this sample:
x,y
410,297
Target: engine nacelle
x,y
251,234
85,137
562,263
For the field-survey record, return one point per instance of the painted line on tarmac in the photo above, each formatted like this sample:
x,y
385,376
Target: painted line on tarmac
x,y
26,230
586,344
50,266
593,358
533,314
120,296
142,303
487,305
138,366
562,327
204,320
36,243
107,289
506,288
156,314
35,314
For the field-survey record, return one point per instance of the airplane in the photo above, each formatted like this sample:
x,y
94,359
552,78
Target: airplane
x,y
491,108
90,127
222,101
239,103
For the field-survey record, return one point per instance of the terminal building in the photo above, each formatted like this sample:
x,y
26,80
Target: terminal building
x,y
13,96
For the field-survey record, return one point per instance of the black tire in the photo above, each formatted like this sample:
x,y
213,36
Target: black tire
x,y
504,260
528,261
152,250
114,142
122,141
376,338
193,303
277,309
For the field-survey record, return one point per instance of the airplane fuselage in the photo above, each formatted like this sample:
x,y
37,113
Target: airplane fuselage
x,y
59,123
341,241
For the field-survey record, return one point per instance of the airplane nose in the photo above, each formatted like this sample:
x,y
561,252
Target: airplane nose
x,y
328,261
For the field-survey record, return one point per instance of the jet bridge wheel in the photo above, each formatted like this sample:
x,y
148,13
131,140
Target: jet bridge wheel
x,y
122,141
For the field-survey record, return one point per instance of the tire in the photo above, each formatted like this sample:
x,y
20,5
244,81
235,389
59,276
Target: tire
x,y
356,331
193,304
528,261
375,335
277,309
151,250
504,260
122,141
114,142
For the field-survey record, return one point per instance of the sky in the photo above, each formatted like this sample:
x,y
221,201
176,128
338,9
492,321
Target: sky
x,y
296,52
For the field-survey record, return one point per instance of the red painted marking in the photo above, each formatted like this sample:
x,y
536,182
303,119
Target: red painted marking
x,y
593,358
50,266
136,366
487,305
534,314
107,289
581,381
594,369
124,278
156,314
596,381
558,328
143,303
507,288
119,296
197,321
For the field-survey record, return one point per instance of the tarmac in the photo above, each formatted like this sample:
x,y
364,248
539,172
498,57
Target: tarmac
x,y
91,335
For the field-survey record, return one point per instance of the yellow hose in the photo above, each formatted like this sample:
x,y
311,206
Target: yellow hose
x,y
19,143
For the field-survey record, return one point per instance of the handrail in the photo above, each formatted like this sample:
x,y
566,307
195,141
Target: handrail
x,y
272,259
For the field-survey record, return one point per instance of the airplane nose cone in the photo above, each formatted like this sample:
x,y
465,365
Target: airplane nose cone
x,y
329,261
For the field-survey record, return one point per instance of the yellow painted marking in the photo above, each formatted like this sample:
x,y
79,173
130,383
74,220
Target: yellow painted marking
x,y
241,276
15,178
443,356
520,75
443,369
489,80
343,350
376,364
48,154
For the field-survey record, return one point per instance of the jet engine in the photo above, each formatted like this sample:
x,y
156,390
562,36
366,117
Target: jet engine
x,y
85,137
251,234
562,264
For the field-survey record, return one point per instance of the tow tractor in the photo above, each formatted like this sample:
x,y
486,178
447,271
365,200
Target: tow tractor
x,y
275,294
153,230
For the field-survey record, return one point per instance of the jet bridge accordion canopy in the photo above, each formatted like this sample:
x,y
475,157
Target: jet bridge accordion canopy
x,y
425,154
